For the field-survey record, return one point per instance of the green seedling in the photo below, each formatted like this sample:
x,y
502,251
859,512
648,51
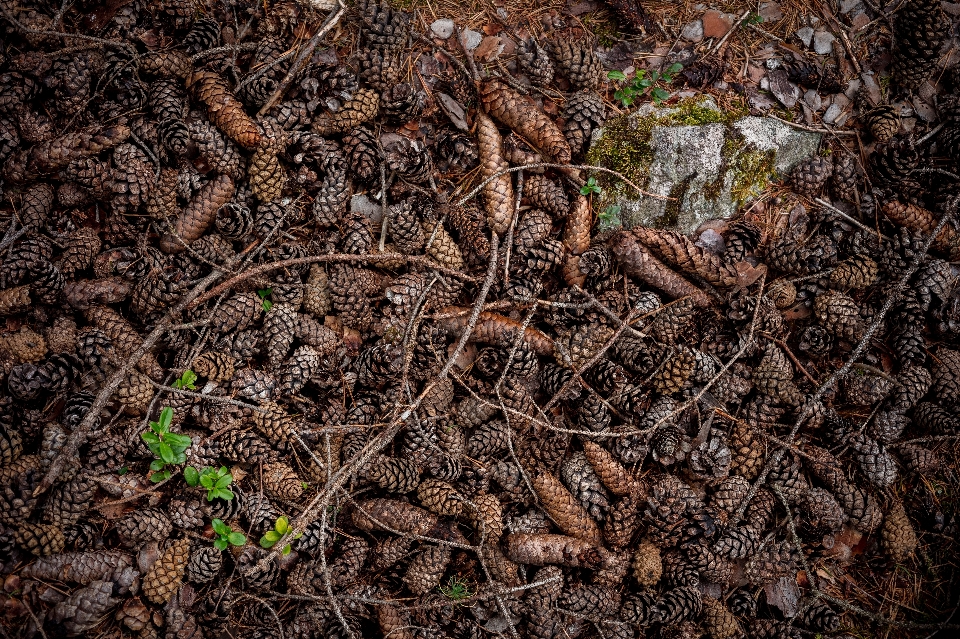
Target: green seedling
x,y
457,589
168,447
264,293
754,18
186,381
591,187
226,536
280,529
216,481
609,218
644,83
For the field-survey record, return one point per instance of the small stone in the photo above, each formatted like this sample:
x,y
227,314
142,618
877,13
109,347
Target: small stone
x,y
712,241
782,89
442,28
692,31
840,103
365,206
813,100
716,24
926,112
846,6
823,42
860,21
471,39
853,87
869,83
806,35
770,11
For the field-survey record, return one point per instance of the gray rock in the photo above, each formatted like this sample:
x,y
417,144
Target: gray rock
x,y
471,39
836,109
442,28
846,6
806,35
692,31
782,89
813,100
823,42
709,169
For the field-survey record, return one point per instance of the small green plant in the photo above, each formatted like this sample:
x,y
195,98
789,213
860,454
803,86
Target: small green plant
x,y
644,83
280,529
754,18
226,536
591,187
264,293
216,481
457,589
186,381
609,218
168,447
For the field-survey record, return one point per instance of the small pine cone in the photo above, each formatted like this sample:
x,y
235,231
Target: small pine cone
x,y
741,238
679,604
253,384
775,560
898,537
426,569
281,482
186,513
747,451
533,228
69,501
302,366
394,474
266,174
821,512
760,510
14,300
584,112
883,122
857,272
593,601
838,313
362,108
388,552
279,328
401,103
534,62
198,215
41,540
205,564
134,393
577,60
258,567
887,426
579,476
379,68
876,463
23,346
405,228
564,508
275,425
83,609
364,154
936,419
920,29
488,516
820,618
36,204
223,108
215,366
918,460
348,297
718,621
845,178
442,249
145,524
675,372
809,177
383,26
164,578
946,377
544,193
647,566
440,497
316,295
737,542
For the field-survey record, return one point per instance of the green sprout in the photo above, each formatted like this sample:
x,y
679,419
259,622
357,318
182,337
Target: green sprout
x,y
457,589
186,381
644,83
226,536
264,293
214,480
609,218
168,447
754,18
591,187
280,528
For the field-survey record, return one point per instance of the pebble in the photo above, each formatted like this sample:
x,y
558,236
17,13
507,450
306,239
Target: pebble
x,y
813,100
770,11
840,103
442,28
847,6
716,24
806,35
823,42
471,39
692,31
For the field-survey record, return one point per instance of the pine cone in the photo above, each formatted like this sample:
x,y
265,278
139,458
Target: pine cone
x,y
163,579
364,153
534,62
809,177
40,539
281,482
578,62
384,26
898,537
920,28
83,609
584,112
883,122
426,569
394,474
223,109
205,564
565,510
145,524
839,315
362,108
677,605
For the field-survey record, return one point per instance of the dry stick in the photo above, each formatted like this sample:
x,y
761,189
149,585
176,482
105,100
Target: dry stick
x,y
79,436
812,129
834,209
419,260
793,358
213,398
328,24
807,409
378,443
513,225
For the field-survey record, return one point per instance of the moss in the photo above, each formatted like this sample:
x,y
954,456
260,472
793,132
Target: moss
x,y
671,212
752,169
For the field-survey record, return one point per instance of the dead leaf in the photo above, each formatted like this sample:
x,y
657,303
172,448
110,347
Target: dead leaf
x,y
489,49
785,595
782,89
492,28
454,111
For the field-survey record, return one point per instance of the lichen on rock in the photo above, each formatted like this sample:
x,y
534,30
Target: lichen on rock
x,y
697,161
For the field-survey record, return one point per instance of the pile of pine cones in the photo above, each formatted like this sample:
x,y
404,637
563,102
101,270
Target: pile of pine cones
x,y
629,438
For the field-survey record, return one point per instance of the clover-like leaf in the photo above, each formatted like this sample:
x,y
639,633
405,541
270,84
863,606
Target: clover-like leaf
x,y
191,475
220,544
219,527
616,75
237,539
159,477
283,524
156,464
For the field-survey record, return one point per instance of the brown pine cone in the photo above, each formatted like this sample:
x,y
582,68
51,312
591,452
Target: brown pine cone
x,y
164,578
362,108
442,249
534,62
205,564
145,524
718,621
564,508
426,569
839,315
647,567
898,537
281,482
440,497
859,271
83,609
584,112
216,149
237,313
845,178
223,109
576,59
394,474
920,28
69,501
198,215
40,539
883,122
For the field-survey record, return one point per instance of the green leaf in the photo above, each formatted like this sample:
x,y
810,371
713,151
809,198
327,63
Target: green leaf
x,y
627,100
226,494
645,84
206,481
149,438
266,543
178,440
273,535
659,95
237,539
220,544
186,380
123,471
267,305
159,477
179,457
283,524
675,68
157,464
219,527
616,75
191,475
166,453
225,481
264,293
166,417
286,550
